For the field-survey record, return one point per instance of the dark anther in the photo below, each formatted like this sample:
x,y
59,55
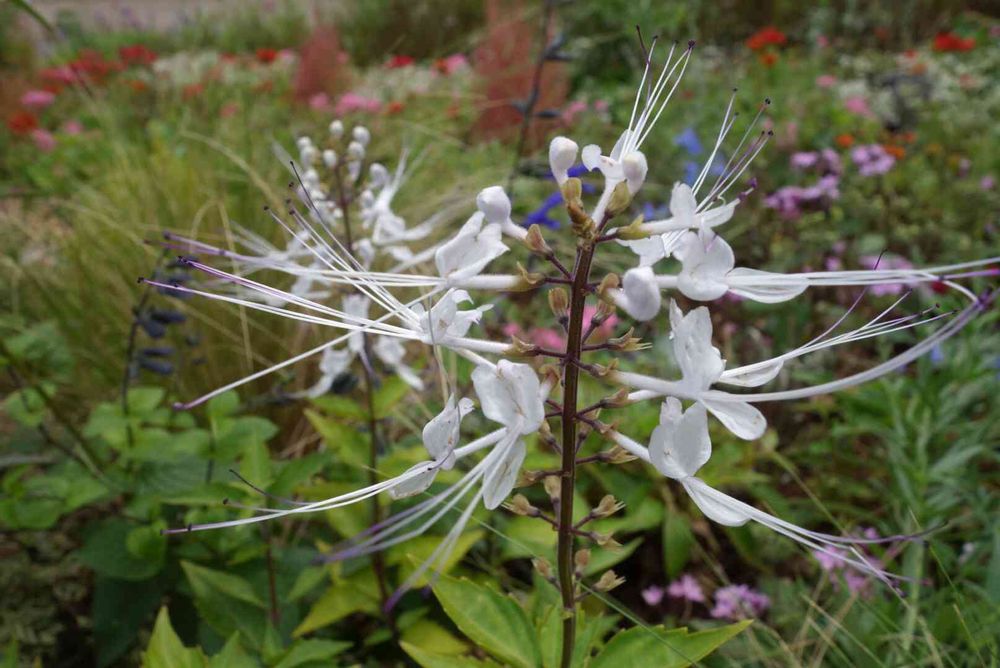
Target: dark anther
x,y
690,43
140,279
189,527
225,501
767,100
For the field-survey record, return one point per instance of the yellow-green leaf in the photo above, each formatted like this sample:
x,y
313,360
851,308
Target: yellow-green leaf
x,y
165,649
641,646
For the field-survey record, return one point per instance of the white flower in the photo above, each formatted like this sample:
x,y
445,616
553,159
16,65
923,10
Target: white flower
x,y
510,393
355,307
332,364
361,135
702,365
440,436
392,351
469,251
445,320
494,204
336,129
655,247
500,478
562,156
640,295
680,445
616,167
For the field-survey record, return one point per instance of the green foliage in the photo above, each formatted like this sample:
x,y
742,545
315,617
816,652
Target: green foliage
x,y
659,647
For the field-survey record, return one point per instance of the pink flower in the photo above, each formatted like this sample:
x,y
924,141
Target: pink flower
x,y
350,102
451,64
652,595
320,102
826,81
686,588
858,104
229,110
572,110
547,338
37,99
601,105
739,602
872,159
43,139
887,261
822,41
987,182
72,127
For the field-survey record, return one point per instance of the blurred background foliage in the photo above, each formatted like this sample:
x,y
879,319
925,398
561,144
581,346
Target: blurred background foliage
x,y
185,134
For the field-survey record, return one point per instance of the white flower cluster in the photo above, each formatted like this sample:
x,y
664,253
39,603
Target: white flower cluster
x,y
511,394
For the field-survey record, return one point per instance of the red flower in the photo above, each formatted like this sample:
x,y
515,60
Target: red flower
x,y
136,54
394,107
266,55
399,61
768,59
22,123
949,41
768,36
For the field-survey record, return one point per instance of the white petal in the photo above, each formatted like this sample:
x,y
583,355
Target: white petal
x,y
715,508
494,204
739,417
705,264
772,290
680,445
499,481
640,295
591,156
717,215
562,155
417,483
510,394
634,168
468,253
701,363
441,434
752,375
683,204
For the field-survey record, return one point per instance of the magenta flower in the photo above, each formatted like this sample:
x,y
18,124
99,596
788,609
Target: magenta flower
x,y
739,602
872,159
72,127
37,99
858,104
826,81
350,102
44,140
987,182
686,588
652,595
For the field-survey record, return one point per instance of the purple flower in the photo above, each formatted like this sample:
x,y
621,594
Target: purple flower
x,y
739,602
804,160
872,159
652,595
686,588
987,182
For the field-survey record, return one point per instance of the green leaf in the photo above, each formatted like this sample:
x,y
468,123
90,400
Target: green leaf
x,y
416,551
231,654
105,550
342,439
204,579
222,405
256,465
341,407
640,646
677,543
358,593
307,652
27,406
227,603
429,659
393,391
143,400
119,610
147,543
165,649
428,635
493,621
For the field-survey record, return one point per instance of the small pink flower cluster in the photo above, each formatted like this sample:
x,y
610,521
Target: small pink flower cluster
x,y
832,561
872,159
739,602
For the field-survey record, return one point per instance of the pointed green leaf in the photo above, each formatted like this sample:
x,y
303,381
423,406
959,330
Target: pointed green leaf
x,y
677,542
358,593
491,620
165,649
231,654
641,646
428,659
309,652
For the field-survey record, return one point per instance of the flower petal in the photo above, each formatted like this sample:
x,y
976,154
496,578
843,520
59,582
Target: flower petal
x,y
772,290
683,204
510,393
705,264
499,481
680,445
752,375
739,417
640,295
591,156
714,507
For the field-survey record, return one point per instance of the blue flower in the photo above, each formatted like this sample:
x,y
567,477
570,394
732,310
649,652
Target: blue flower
x,y
688,141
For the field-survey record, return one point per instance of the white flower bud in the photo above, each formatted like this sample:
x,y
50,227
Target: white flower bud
x,y
330,158
355,151
634,169
336,129
640,295
366,199
494,204
316,195
308,155
302,143
361,135
378,174
562,155
310,177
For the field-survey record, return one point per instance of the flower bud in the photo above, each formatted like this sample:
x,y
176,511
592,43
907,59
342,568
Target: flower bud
x,y
606,540
572,191
609,282
559,303
581,559
336,129
552,486
330,158
519,505
634,230
529,279
543,567
634,168
308,155
361,135
303,142
494,204
562,155
366,199
608,581
355,150
608,506
621,199
535,242
378,174
640,295
618,455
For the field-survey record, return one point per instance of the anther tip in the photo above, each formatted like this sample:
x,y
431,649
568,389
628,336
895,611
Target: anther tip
x,y
691,43
225,501
767,100
141,279
189,527
178,406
